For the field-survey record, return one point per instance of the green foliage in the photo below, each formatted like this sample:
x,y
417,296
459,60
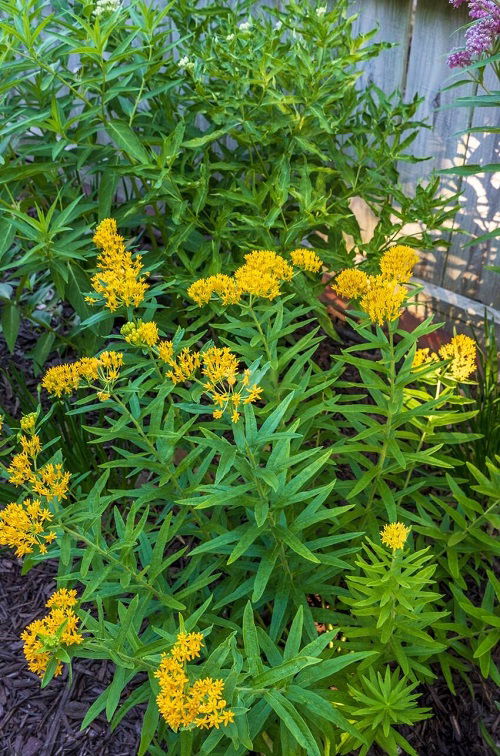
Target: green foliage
x,y
261,140
255,534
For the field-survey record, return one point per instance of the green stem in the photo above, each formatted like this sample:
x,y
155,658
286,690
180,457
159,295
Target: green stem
x,y
425,433
388,423
110,558
265,344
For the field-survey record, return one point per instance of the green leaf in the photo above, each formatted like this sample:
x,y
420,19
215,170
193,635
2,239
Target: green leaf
x,y
287,669
11,320
292,720
123,136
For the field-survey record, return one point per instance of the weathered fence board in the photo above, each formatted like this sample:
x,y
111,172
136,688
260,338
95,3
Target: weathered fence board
x,y
393,17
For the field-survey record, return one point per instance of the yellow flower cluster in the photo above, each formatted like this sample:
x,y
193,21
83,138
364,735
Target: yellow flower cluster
x,y
260,276
166,352
394,535
49,481
184,366
22,527
182,704
461,350
28,423
219,367
306,259
140,333
119,280
223,286
64,379
398,262
424,357
383,300
381,296
462,353
59,628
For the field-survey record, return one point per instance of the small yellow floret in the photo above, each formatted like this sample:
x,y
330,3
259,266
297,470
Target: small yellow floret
x,y
462,352
398,263
166,352
394,535
306,259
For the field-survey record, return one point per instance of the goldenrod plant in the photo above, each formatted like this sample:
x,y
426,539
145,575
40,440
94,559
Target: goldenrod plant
x,y
273,554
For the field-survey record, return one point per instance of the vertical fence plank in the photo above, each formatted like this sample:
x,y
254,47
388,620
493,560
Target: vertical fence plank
x,y
393,17
434,35
465,272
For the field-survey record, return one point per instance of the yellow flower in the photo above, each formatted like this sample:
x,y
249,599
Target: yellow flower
x,y
187,646
257,282
119,280
28,423
184,705
306,259
19,469
217,414
185,366
51,481
140,334
61,379
235,416
462,352
22,527
64,379
223,286
166,352
58,629
31,446
264,261
424,357
219,365
383,300
351,283
398,263
253,394
106,235
109,366
394,535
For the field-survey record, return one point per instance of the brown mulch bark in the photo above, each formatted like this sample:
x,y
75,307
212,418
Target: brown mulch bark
x,y
36,722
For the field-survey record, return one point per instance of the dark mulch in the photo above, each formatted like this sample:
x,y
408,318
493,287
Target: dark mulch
x,y
47,722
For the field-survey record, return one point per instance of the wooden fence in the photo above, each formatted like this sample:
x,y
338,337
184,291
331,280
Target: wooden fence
x,y
426,30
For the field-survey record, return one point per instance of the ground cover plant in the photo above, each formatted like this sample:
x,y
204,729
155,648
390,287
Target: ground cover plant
x,y
193,126
272,554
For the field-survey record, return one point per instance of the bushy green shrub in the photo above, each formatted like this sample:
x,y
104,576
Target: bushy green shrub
x,y
206,130
304,524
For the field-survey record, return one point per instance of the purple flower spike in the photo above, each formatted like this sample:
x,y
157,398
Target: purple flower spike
x,y
459,59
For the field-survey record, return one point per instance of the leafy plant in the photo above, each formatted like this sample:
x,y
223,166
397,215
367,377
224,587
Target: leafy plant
x,y
215,554
197,128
